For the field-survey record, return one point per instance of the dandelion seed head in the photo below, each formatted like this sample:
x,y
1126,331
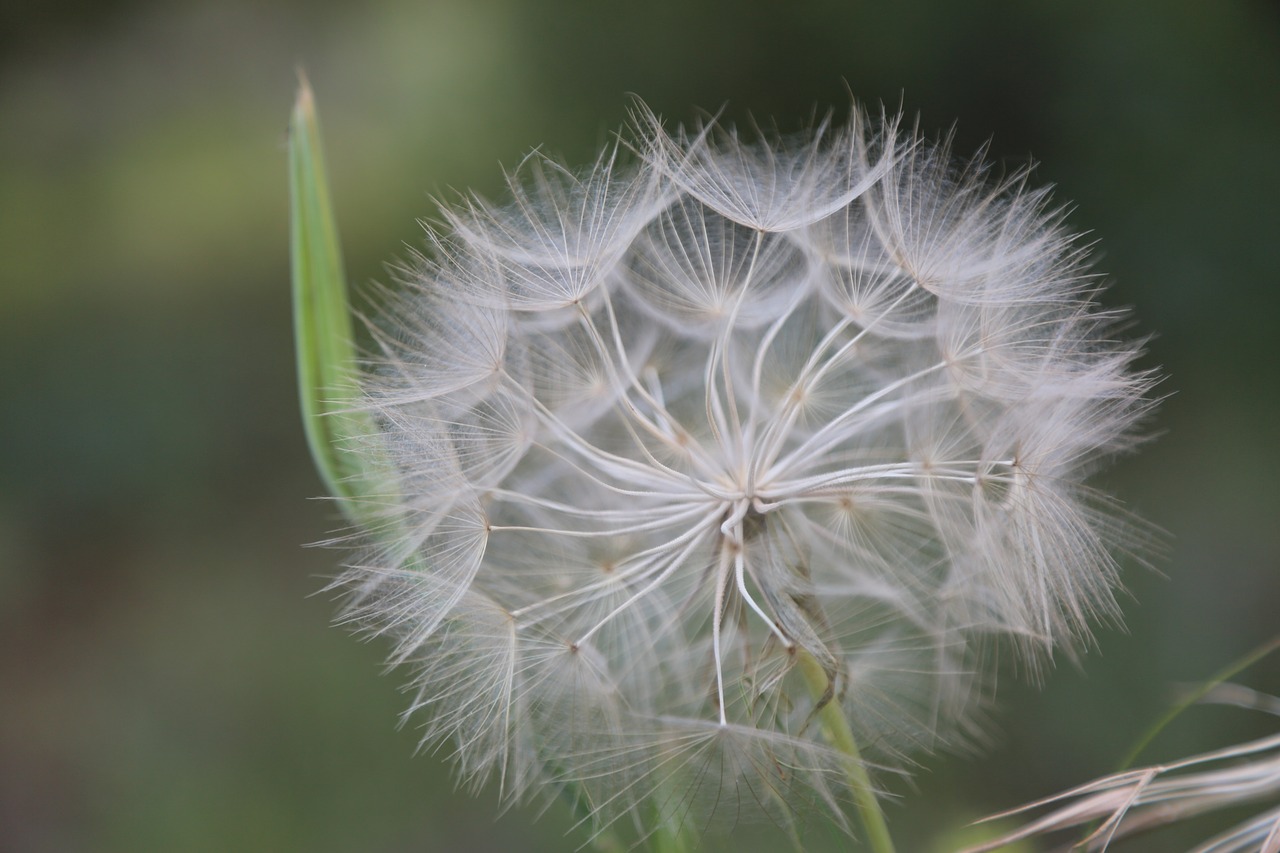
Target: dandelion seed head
x,y
654,428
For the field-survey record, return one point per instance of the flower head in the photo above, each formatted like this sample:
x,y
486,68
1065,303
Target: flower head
x,y
658,432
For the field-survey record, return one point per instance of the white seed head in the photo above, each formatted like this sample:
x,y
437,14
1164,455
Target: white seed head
x,y
658,429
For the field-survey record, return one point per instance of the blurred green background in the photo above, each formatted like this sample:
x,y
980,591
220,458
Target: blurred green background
x,y
168,677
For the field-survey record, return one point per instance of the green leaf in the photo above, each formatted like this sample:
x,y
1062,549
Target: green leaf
x,y
328,393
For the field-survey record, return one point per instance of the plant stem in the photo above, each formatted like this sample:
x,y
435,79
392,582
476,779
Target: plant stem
x,y
1195,696
841,737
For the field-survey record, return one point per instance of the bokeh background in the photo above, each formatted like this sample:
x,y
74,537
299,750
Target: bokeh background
x,y
169,680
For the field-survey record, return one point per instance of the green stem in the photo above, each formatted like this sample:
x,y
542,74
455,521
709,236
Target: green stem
x,y
1230,671
841,737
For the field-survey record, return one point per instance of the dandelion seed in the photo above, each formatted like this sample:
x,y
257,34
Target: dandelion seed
x,y
658,430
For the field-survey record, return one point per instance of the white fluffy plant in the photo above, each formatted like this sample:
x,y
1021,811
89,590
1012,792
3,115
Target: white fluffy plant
x,y
694,484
